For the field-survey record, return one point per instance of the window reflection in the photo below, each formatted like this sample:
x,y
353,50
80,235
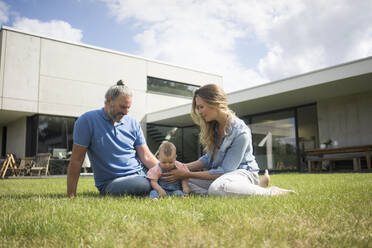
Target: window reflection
x,y
307,130
186,139
54,133
170,87
274,140
191,145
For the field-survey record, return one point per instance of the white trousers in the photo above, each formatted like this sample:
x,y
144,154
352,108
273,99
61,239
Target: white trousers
x,y
236,183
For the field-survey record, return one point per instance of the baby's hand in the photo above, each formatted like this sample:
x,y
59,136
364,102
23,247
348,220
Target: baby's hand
x,y
162,192
186,190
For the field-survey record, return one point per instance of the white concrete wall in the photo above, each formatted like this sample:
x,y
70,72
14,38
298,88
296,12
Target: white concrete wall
x,y
346,119
74,79
21,72
16,137
54,77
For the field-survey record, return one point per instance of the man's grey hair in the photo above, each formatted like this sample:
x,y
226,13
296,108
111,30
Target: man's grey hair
x,y
118,89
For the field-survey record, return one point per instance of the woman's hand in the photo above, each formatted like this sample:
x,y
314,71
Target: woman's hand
x,y
174,175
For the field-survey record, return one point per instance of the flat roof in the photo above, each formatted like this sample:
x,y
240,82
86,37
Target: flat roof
x,y
343,79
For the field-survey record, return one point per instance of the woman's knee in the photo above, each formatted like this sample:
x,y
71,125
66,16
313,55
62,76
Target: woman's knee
x,y
216,188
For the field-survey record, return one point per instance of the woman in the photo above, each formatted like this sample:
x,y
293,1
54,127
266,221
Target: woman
x,y
231,166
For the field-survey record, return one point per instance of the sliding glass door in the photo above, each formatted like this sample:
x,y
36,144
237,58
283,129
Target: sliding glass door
x,y
274,140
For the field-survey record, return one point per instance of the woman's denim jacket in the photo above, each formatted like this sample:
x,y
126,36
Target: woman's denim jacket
x,y
236,151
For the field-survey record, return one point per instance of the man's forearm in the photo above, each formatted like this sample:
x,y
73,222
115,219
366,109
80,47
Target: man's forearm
x,y
73,174
146,156
150,161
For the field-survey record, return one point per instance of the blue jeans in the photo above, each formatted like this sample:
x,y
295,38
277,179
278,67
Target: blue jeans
x,y
173,188
154,193
135,184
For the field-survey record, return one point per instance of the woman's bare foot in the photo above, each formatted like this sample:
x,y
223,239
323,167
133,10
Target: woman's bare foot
x,y
278,191
265,180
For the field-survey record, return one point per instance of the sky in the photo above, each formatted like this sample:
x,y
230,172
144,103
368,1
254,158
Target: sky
x,y
248,42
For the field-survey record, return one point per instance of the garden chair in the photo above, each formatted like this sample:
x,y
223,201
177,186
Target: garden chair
x,y
9,162
42,164
24,167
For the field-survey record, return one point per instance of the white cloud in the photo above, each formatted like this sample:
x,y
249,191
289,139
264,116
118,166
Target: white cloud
x,y
4,13
197,34
317,35
55,29
299,36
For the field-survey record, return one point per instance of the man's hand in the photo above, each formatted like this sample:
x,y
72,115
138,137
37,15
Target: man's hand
x,y
146,156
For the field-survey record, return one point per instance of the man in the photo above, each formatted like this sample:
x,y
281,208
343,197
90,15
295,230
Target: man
x,y
116,147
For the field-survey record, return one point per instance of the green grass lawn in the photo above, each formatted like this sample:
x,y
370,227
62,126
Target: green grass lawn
x,y
330,210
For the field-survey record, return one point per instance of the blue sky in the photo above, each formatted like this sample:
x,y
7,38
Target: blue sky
x,y
247,42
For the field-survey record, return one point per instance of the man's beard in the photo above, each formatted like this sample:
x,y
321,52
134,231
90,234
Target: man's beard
x,y
114,115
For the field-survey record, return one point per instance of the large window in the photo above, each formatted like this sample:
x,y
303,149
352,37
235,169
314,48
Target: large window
x,y
279,138
55,133
308,137
191,148
274,140
51,134
186,140
170,87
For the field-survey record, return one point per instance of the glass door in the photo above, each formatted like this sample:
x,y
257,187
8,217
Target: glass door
x,y
274,140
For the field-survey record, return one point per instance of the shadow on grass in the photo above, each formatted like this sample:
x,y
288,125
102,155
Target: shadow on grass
x,y
63,195
49,195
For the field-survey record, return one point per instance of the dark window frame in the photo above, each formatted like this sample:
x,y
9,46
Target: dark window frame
x,y
32,133
181,128
3,141
295,110
170,88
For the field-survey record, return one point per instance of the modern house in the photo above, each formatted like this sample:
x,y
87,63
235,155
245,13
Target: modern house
x,y
289,116
45,84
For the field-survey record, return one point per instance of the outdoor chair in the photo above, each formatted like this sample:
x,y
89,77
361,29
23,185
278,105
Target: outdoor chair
x,y
9,162
25,165
42,164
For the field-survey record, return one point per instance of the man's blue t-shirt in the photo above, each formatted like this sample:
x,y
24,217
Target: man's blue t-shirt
x,y
111,149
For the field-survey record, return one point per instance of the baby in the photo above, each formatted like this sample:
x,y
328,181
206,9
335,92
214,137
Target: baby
x,y
167,159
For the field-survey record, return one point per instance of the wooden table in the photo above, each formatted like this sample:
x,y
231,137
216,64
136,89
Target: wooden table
x,y
367,149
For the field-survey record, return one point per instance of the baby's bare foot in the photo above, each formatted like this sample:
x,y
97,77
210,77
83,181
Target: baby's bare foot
x,y
265,180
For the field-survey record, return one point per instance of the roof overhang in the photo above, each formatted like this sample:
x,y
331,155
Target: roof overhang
x,y
344,79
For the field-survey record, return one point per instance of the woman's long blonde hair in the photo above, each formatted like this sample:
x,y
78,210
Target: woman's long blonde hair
x,y
215,98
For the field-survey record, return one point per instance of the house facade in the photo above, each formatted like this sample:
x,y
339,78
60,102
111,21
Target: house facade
x,y
331,106
45,84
